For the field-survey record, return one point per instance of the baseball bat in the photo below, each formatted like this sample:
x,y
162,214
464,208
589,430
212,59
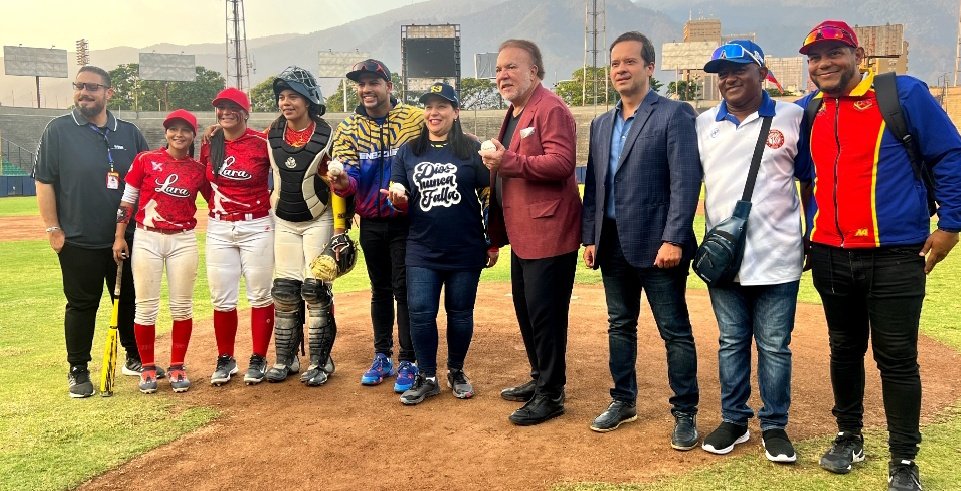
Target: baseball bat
x,y
108,369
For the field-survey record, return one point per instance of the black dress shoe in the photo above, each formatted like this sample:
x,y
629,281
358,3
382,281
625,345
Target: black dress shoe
x,y
520,393
618,412
538,410
684,436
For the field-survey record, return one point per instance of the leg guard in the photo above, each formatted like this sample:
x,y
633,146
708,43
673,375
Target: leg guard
x,y
321,330
287,328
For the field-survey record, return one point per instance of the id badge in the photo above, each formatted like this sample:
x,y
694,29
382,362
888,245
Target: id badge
x,y
113,180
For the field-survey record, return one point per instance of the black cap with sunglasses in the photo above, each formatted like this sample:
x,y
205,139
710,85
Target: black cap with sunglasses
x,y
370,66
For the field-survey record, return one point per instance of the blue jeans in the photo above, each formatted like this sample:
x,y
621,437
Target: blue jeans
x,y
764,313
423,299
665,293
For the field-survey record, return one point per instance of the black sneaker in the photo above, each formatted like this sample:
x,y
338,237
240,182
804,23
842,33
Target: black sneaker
x,y
777,446
459,384
134,367
903,476
78,381
423,388
521,393
722,440
848,448
226,368
256,371
684,436
617,412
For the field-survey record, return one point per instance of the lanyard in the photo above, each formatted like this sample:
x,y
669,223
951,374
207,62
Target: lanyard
x,y
106,142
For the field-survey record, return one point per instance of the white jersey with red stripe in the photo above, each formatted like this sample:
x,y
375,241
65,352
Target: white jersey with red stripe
x,y
168,189
240,185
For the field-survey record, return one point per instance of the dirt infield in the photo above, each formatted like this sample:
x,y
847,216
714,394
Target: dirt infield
x,y
346,436
30,227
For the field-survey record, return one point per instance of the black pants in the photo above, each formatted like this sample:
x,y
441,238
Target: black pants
x,y
384,243
874,293
542,298
84,273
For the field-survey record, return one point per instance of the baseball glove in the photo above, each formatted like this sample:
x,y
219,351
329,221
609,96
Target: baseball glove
x,y
337,259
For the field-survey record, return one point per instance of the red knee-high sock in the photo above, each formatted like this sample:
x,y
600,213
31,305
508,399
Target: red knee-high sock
x,y
145,336
261,328
225,329
180,338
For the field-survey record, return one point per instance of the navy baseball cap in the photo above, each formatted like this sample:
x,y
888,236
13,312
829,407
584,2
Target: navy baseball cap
x,y
737,51
442,90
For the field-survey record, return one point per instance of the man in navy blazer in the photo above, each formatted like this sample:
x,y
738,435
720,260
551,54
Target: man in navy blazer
x,y
640,195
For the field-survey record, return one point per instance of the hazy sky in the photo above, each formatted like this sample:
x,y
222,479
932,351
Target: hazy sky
x,y
139,23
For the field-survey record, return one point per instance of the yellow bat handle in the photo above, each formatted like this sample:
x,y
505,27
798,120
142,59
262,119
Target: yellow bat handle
x,y
108,369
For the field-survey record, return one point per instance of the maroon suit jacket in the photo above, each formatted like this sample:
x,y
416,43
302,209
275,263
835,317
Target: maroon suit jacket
x,y
542,206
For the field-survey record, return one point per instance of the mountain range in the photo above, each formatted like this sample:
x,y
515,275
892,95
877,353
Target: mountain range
x,y
558,28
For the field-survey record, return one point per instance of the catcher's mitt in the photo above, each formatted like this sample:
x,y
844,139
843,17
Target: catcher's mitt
x,y
337,259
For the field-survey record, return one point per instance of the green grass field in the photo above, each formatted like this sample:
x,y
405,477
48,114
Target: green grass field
x,y
52,442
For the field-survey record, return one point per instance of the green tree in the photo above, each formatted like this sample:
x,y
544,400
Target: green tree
x,y
262,96
130,92
479,93
774,92
573,90
335,101
684,90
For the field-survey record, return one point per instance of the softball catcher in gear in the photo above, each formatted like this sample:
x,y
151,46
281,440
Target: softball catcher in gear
x,y
337,259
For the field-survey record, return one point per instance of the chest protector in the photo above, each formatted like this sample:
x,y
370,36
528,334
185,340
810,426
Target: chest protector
x,y
300,194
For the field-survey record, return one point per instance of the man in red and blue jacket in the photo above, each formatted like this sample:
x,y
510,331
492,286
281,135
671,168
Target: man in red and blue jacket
x,y
871,239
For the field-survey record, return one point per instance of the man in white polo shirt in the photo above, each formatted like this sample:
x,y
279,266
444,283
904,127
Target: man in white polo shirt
x,y
760,303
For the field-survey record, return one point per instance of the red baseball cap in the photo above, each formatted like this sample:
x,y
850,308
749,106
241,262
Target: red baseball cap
x,y
183,115
830,30
235,95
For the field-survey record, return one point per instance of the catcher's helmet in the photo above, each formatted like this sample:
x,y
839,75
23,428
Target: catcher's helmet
x,y
302,82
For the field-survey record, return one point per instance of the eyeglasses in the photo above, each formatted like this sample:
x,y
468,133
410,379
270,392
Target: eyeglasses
x,y
828,33
369,66
734,51
91,87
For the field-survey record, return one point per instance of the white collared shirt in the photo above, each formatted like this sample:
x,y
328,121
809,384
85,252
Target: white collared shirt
x,y
773,252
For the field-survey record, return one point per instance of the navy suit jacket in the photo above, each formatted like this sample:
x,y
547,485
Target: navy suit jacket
x,y
656,185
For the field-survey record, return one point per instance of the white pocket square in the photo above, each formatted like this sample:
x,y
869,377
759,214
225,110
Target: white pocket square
x,y
527,132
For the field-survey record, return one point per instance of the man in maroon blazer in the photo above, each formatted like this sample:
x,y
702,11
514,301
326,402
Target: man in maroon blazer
x,y
537,210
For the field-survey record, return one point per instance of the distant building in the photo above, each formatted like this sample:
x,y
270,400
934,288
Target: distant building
x,y
884,47
702,30
792,72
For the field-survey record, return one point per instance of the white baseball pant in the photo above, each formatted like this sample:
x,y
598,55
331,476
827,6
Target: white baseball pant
x,y
152,252
243,247
296,244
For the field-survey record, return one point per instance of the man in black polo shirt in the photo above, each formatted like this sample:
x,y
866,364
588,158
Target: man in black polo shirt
x,y
81,162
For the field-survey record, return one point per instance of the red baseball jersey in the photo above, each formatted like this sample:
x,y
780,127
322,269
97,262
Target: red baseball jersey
x,y
240,185
168,189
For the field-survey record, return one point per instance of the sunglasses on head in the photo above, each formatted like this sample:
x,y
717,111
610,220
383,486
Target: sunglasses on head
x,y
828,33
369,66
729,51
92,87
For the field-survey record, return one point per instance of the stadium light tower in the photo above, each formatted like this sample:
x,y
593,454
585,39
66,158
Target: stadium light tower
x,y
238,69
83,53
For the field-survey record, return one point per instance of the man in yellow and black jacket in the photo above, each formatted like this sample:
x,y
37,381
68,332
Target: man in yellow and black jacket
x,y
366,143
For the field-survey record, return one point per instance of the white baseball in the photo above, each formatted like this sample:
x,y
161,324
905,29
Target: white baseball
x,y
335,168
398,188
488,146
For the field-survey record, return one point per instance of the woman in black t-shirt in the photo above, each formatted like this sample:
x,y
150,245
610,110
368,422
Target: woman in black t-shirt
x,y
442,181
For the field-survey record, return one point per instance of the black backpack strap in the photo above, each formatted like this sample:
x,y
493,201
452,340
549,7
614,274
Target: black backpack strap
x,y
886,92
756,160
810,111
